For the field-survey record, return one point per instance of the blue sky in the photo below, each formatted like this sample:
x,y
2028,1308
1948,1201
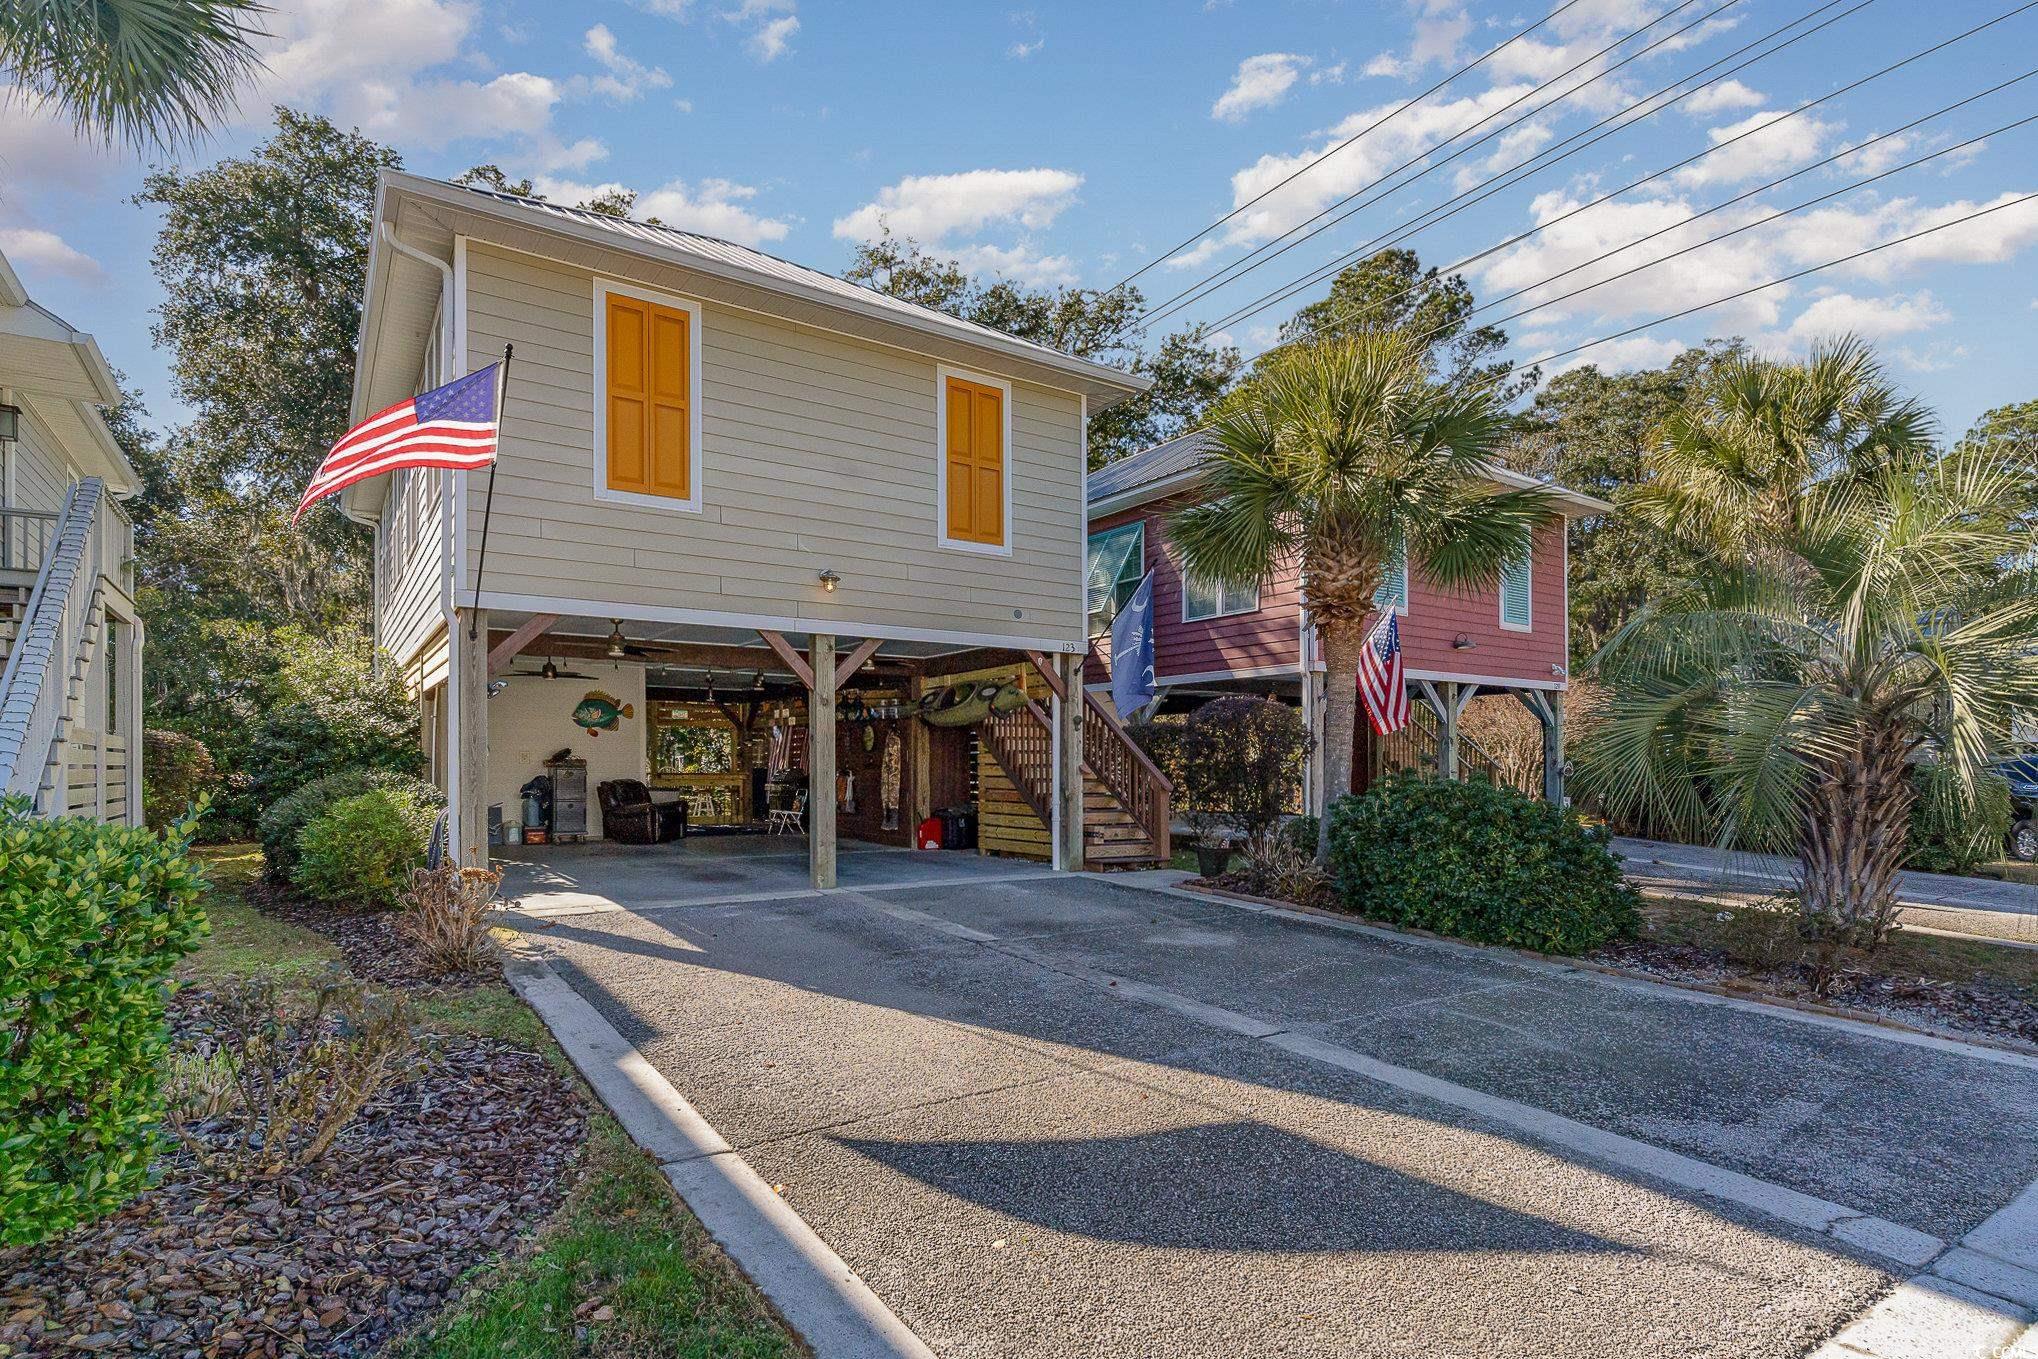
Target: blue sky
x,y
1072,143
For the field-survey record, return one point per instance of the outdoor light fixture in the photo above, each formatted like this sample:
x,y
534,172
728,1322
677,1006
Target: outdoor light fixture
x,y
829,580
616,649
550,671
10,423
1463,642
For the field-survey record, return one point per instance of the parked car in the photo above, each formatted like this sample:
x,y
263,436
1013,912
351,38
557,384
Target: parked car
x,y
2021,772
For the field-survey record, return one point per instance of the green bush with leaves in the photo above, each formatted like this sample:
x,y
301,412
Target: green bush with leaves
x,y
363,849
176,770
1479,862
92,919
286,819
1956,829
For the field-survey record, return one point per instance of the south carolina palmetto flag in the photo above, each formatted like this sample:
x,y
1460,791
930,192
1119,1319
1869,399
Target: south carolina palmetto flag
x,y
450,426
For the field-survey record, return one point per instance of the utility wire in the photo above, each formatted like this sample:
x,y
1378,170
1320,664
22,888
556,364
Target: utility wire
x,y
1779,282
1543,160
1778,215
1450,269
1304,169
1205,286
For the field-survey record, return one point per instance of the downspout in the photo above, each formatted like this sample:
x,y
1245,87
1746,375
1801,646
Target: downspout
x,y
446,323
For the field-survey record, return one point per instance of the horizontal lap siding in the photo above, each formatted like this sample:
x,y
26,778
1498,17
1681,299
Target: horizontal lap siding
x,y
817,453
42,473
413,604
1268,637
1437,618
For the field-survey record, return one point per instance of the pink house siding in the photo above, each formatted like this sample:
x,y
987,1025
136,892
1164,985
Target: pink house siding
x,y
1269,638
1437,618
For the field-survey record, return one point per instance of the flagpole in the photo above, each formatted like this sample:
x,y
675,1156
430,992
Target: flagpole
x,y
488,505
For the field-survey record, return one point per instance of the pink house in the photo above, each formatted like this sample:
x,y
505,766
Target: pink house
x,y
1512,638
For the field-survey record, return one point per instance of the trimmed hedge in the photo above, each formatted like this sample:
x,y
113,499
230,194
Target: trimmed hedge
x,y
92,919
363,849
1479,862
283,823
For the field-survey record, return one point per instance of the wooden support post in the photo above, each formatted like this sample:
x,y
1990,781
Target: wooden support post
x,y
920,750
1068,709
1553,749
469,796
821,760
1447,742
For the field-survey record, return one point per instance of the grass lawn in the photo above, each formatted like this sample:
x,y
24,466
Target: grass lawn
x,y
622,1270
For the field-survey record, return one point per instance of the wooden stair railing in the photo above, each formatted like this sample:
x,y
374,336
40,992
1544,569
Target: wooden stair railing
x,y
1416,746
1138,784
1022,742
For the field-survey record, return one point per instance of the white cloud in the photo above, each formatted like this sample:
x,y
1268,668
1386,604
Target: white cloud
x,y
930,207
1437,37
712,207
1260,82
1328,75
1724,97
1020,263
1873,318
40,249
37,147
1616,356
1386,64
772,41
624,78
1769,142
1019,51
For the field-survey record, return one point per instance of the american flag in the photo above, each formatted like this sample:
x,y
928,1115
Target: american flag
x,y
1382,686
449,426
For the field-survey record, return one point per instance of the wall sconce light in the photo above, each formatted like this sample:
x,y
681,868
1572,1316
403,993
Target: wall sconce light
x,y
1559,671
829,580
10,423
1463,642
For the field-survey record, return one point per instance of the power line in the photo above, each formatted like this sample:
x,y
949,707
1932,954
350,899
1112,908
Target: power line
x,y
1450,269
1203,287
1543,160
1779,282
1381,122
1776,216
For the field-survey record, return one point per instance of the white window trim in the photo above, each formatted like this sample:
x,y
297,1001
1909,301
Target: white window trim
x,y
1407,587
1500,602
1140,557
697,459
1188,617
942,373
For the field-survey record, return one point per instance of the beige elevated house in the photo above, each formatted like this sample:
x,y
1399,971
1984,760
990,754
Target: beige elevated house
x,y
791,554
70,693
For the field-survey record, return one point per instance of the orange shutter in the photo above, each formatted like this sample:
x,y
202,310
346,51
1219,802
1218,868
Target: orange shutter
x,y
976,462
649,398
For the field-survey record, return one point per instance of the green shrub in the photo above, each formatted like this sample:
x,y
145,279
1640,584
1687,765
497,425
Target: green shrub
x,y
362,849
92,919
1479,862
1300,831
283,822
1953,830
1242,759
176,770
328,708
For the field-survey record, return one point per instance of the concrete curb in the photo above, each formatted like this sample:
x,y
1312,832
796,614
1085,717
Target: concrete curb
x,y
1701,993
817,1294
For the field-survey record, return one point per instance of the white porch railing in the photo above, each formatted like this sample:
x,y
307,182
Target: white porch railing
x,y
35,689
25,538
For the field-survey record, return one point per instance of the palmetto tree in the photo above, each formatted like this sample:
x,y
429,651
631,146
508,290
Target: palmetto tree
x,y
1779,701
1346,453
145,72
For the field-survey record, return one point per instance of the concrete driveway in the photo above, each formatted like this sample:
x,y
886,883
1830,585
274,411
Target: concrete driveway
x,y
1054,1115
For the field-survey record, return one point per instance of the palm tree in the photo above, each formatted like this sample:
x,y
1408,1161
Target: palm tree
x,y
1780,700
145,72
1346,453
1730,465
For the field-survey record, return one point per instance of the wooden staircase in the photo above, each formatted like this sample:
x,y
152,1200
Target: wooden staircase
x,y
1125,798
13,610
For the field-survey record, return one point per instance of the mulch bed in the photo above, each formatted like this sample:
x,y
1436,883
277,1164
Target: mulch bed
x,y
1993,1011
471,1147
377,952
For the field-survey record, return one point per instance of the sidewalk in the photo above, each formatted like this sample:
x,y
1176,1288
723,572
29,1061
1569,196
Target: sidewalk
x,y
1981,907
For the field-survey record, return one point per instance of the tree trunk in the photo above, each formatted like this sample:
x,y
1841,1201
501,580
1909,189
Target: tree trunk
x,y
1856,823
1343,642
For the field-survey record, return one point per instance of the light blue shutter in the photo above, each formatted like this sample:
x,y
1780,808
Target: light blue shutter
x,y
1393,591
1514,593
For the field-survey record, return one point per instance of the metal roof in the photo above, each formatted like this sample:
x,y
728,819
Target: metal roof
x,y
769,270
1164,466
